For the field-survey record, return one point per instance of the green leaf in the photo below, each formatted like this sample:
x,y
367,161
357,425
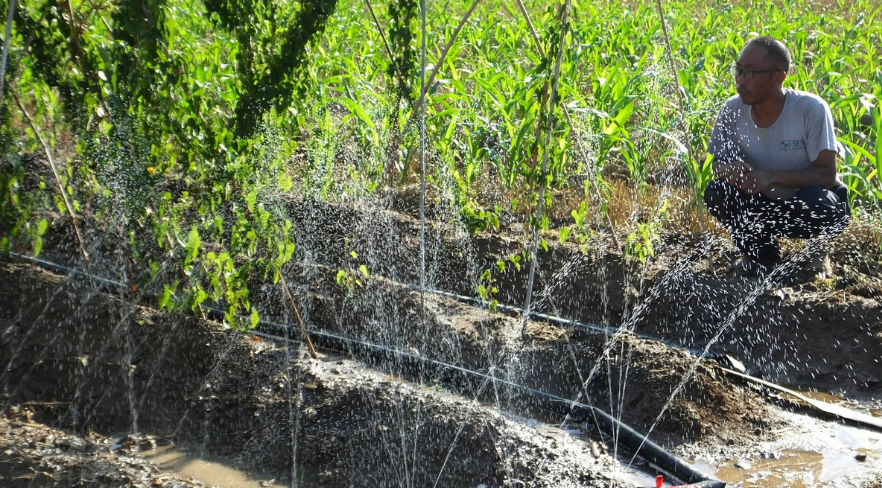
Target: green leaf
x,y
38,246
192,247
251,199
564,232
285,183
254,319
363,270
341,275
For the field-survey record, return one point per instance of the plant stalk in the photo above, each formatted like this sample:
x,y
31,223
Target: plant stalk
x,y
566,113
550,128
9,18
73,217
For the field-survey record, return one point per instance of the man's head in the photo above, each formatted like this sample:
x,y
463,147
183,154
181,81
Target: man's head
x,y
761,69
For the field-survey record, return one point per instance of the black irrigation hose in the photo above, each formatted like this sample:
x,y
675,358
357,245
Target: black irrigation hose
x,y
509,309
457,375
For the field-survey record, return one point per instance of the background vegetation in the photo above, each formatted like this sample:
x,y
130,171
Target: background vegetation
x,y
183,126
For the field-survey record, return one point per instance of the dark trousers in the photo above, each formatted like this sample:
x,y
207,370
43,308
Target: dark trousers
x,y
756,221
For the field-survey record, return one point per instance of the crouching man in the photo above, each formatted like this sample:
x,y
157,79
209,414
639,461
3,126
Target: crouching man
x,y
774,155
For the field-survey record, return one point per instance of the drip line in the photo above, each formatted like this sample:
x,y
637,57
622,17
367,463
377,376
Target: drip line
x,y
654,454
556,321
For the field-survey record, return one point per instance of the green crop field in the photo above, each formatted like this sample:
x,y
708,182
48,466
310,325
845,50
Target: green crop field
x,y
183,125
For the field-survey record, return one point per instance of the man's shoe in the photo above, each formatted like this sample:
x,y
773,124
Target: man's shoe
x,y
814,266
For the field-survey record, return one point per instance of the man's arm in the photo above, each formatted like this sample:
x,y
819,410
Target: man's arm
x,y
730,170
822,172
727,164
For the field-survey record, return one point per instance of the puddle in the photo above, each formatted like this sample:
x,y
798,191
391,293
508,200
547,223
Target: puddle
x,y
808,460
820,396
209,471
637,478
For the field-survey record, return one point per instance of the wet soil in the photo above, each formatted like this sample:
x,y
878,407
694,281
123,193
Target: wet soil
x,y
822,334
86,361
819,333
34,455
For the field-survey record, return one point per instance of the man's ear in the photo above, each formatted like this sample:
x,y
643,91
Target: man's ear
x,y
780,76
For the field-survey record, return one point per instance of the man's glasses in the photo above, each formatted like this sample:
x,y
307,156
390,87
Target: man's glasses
x,y
737,71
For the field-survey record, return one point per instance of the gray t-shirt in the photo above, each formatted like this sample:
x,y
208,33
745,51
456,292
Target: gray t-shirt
x,y
794,141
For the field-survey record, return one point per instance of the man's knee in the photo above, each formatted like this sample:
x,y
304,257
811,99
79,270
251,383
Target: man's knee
x,y
821,211
814,196
820,203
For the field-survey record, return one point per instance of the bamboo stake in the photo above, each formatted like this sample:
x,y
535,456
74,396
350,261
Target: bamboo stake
x,y
370,7
440,62
422,103
446,49
532,29
681,97
73,217
402,83
306,338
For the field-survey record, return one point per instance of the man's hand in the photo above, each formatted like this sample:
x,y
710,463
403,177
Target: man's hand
x,y
732,172
754,181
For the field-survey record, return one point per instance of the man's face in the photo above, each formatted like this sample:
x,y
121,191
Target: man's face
x,y
754,90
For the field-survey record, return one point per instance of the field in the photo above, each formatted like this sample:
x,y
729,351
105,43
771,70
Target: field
x,y
244,168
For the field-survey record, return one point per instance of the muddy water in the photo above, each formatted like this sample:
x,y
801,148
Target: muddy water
x,y
820,453
209,471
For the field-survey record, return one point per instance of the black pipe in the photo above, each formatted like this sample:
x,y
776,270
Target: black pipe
x,y
457,375
512,310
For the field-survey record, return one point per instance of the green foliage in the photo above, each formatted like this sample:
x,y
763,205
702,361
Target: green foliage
x,y
486,290
639,245
185,117
405,62
272,53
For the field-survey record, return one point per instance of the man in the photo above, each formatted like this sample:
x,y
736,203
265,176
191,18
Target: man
x,y
774,155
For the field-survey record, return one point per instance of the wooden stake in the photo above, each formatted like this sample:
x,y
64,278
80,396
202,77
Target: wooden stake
x,y
306,338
